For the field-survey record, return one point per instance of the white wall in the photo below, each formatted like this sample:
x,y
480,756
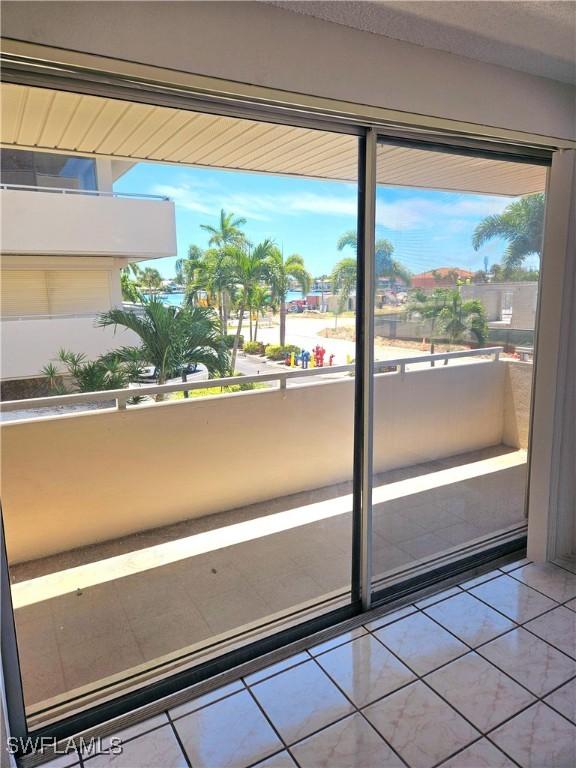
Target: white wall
x,y
76,224
28,345
259,44
73,480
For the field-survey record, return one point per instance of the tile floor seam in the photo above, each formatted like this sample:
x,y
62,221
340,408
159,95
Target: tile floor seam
x,y
539,590
503,671
279,672
398,755
143,733
463,749
179,740
358,710
483,734
573,658
371,621
548,642
421,679
506,631
496,727
482,600
435,669
266,717
274,754
557,565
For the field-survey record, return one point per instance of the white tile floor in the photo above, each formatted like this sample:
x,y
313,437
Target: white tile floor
x,y
480,676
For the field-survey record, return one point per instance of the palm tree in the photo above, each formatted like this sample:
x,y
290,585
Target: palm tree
x,y
88,375
129,287
280,271
430,308
521,224
385,265
261,300
212,276
247,270
184,268
151,279
227,232
343,283
171,337
460,318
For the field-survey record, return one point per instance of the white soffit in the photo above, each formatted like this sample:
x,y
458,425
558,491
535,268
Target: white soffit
x,y
45,119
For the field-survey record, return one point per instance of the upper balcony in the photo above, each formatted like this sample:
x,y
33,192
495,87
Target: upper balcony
x,y
51,221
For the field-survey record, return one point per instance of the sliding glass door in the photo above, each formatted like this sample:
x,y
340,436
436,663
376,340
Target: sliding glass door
x,y
299,380
207,504
458,240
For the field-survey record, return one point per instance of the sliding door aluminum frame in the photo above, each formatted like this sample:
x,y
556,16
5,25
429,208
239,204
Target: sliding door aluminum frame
x,y
369,135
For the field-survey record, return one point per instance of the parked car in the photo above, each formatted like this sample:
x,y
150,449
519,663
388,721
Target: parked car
x,y
149,375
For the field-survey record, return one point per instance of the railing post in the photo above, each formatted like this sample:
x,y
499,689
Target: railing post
x,y
121,403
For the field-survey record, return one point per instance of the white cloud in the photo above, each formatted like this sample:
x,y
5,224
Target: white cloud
x,y
212,198
420,213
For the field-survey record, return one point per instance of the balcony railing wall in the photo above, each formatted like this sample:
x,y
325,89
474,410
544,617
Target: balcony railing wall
x,y
79,223
78,479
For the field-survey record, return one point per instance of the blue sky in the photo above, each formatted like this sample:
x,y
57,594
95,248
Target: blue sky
x,y
427,228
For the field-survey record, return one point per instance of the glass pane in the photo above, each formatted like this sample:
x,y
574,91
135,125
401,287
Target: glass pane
x,y
42,169
458,242
139,538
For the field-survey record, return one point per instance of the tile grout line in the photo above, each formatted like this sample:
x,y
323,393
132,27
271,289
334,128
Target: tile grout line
x,y
522,625
371,632
358,710
539,699
179,740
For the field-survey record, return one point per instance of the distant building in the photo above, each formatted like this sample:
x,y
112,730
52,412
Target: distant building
x,y
65,237
443,277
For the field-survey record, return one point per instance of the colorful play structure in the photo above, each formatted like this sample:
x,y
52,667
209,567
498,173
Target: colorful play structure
x,y
305,359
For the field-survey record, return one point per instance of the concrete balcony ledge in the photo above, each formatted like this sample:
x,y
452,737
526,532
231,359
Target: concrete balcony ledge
x,y
76,224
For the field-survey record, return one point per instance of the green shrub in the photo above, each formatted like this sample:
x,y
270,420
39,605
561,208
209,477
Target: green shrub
x,y
276,352
229,340
254,348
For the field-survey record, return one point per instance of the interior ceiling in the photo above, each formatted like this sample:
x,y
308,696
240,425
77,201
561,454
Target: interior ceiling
x,y
531,35
40,118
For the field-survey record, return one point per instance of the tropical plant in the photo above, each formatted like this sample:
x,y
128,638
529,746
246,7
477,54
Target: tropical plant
x,y
88,375
227,232
343,283
254,348
458,319
210,282
280,273
184,268
248,267
385,265
261,300
150,279
429,306
521,224
279,351
129,286
171,338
